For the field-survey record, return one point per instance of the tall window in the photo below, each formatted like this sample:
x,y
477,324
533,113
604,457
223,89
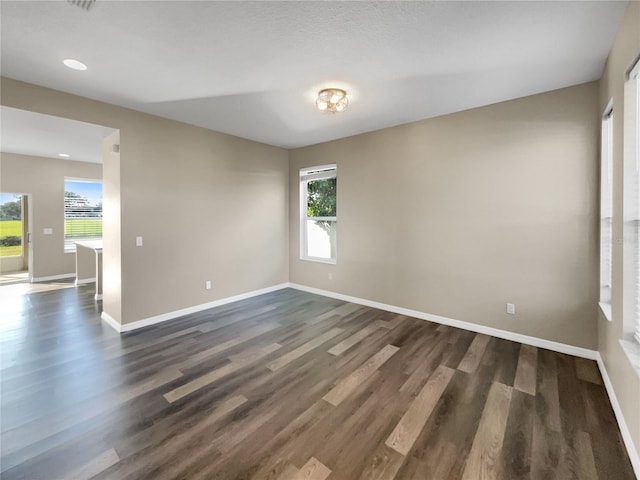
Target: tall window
x,y
631,245
318,213
82,212
635,78
606,210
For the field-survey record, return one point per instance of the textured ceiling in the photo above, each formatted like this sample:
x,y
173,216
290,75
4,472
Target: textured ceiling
x,y
252,69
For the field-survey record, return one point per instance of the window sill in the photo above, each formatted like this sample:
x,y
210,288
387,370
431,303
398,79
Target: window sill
x,y
631,348
330,261
605,308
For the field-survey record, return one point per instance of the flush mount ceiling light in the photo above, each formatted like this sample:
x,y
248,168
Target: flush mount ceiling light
x,y
74,64
332,100
64,155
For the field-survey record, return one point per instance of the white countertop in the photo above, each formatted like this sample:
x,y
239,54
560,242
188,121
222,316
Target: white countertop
x,y
92,244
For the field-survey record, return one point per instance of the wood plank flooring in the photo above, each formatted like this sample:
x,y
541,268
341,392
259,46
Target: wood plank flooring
x,y
290,386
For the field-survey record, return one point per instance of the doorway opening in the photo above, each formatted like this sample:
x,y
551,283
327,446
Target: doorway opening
x,y
14,238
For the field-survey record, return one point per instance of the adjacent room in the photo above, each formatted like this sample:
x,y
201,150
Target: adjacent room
x,y
320,240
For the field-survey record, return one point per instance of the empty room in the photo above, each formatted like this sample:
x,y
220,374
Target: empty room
x,y
319,240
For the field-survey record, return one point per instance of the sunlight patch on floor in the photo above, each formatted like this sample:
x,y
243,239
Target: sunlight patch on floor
x,y
16,289
13,277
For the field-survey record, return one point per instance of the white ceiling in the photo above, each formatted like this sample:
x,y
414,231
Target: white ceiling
x,y
252,69
30,133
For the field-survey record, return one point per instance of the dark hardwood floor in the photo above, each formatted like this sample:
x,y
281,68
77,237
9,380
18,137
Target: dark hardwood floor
x,y
290,386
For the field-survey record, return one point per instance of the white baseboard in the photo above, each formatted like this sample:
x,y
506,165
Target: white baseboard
x,y
495,332
52,277
504,334
517,337
622,424
112,322
82,281
146,322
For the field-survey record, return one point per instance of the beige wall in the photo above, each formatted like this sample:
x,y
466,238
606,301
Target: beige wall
x,y
458,215
85,264
111,234
209,206
43,178
625,381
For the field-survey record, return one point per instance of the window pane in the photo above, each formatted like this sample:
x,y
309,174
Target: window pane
x,y
606,250
636,183
318,213
321,239
10,225
606,204
321,198
82,211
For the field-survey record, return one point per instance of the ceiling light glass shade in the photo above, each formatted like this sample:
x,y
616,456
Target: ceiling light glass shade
x,y
332,100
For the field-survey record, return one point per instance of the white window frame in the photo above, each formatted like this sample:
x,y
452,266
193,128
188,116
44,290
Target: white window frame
x,y
631,207
606,210
320,172
69,243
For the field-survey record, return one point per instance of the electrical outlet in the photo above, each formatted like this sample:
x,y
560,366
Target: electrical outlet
x,y
138,241
207,284
511,308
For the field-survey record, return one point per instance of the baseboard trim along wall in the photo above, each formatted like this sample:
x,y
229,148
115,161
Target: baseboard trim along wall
x,y
494,332
112,322
85,280
516,337
624,430
52,277
146,322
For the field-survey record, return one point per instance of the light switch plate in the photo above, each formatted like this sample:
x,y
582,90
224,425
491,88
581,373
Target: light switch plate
x,y
138,241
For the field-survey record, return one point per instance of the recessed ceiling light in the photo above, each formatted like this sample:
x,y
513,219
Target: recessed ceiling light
x,y
64,155
74,64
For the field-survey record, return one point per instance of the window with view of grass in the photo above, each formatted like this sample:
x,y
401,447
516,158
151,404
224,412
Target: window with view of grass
x,y
82,212
10,225
318,220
